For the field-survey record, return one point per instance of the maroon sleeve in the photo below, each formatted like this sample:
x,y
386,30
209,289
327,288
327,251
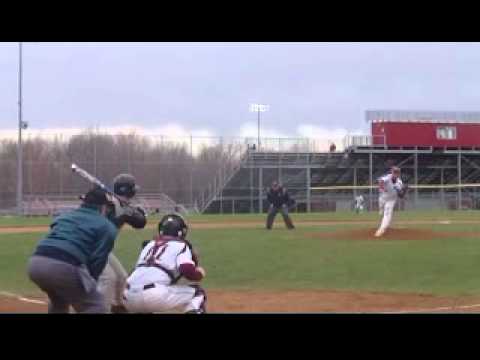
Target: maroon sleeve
x,y
190,272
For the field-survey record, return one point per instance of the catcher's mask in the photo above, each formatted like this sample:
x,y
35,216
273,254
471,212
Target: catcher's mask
x,y
173,225
124,185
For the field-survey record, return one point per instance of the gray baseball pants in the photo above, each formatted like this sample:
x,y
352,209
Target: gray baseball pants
x,y
66,285
111,282
272,212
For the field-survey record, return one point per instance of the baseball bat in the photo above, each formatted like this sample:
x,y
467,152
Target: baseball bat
x,y
92,179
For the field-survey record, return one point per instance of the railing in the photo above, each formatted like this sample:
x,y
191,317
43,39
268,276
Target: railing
x,y
303,144
222,177
286,145
364,140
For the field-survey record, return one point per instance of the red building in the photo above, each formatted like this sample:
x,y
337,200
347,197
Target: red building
x,y
425,128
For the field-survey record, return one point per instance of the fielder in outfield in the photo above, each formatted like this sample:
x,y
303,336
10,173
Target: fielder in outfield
x,y
390,188
359,203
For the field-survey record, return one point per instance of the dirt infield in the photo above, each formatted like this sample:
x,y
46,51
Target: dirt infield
x,y
391,234
255,224
311,301
23,229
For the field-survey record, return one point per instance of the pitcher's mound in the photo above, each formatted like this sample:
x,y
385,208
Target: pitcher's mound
x,y
396,234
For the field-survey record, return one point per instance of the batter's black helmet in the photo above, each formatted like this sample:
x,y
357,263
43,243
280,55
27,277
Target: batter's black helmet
x,y
124,185
173,225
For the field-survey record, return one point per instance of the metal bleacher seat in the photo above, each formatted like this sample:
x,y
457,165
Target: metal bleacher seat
x,y
156,203
41,206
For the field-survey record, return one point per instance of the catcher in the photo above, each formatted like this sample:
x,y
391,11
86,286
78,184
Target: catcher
x,y
166,276
391,188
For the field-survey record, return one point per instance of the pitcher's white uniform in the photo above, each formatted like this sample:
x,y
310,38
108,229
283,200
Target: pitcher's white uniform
x,y
359,200
157,284
388,189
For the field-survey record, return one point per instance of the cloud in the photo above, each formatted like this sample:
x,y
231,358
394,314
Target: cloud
x,y
319,137
168,130
325,136
250,129
169,134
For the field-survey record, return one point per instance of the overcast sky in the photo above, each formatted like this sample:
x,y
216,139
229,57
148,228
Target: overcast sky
x,y
313,89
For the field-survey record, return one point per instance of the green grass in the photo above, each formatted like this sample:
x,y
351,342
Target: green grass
x,y
324,216
254,258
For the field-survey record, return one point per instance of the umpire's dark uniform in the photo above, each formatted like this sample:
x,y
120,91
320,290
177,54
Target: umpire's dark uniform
x,y
279,200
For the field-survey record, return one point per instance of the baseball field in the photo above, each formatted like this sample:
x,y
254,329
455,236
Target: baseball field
x,y
428,262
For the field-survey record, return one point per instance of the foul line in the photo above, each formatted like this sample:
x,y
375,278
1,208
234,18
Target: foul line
x,y
21,298
433,309
441,308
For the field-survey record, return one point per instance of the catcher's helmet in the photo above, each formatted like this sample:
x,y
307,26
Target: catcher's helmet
x,y
173,225
124,185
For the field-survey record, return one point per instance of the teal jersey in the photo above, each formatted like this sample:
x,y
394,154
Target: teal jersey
x,y
85,234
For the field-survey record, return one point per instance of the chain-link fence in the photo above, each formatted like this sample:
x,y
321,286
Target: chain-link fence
x,y
189,169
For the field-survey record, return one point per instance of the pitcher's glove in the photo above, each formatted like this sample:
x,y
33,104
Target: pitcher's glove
x,y
403,191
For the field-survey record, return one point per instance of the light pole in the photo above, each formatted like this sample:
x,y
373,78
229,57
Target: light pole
x,y
258,108
20,125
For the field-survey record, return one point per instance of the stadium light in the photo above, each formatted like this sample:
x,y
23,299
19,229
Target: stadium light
x,y
258,108
21,125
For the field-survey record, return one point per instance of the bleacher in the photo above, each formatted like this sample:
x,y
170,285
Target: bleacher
x,y
46,206
156,203
53,205
246,188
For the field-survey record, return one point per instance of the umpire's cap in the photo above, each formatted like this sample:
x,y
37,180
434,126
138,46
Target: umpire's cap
x,y
173,225
96,196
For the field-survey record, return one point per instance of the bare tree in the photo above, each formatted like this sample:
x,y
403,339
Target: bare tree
x,y
160,167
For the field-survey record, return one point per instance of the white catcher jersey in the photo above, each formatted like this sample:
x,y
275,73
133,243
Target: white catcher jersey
x,y
157,255
388,190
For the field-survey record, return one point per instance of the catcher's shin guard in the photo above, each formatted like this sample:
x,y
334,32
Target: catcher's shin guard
x,y
199,301
199,311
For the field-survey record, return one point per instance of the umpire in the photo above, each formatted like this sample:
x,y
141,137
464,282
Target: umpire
x,y
279,200
68,261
